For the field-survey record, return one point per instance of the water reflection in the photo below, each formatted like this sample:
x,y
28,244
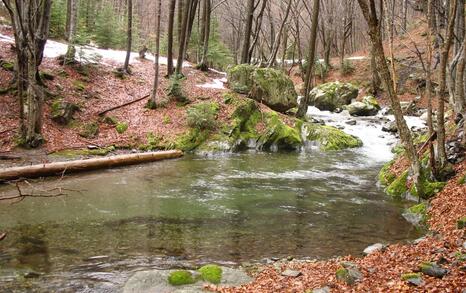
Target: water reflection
x,y
179,213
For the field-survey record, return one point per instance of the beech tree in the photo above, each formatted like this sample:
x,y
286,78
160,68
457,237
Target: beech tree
x,y
369,10
72,23
129,36
153,98
303,105
171,24
30,21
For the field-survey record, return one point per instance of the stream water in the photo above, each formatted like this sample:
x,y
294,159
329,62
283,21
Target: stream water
x,y
226,209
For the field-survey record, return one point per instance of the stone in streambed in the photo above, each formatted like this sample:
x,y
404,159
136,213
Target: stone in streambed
x,y
333,95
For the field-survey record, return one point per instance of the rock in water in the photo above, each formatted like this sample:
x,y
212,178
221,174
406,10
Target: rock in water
x,y
390,127
291,273
368,107
333,95
157,281
374,248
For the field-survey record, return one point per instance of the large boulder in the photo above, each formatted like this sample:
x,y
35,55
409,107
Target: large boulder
x,y
269,86
368,107
333,95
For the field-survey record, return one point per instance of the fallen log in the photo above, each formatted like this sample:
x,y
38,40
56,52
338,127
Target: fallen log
x,y
123,105
59,168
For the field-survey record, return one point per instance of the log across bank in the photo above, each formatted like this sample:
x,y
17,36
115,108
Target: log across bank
x,y
57,168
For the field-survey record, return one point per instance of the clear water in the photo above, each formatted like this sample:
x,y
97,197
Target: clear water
x,y
226,209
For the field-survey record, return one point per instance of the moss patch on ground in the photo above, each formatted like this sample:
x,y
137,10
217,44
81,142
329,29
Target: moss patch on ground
x,y
386,177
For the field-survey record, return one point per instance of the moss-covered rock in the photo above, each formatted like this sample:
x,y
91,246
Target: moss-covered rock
x,y
348,275
398,188
429,188
211,273
240,78
191,140
432,269
72,153
461,223
408,276
368,107
89,130
386,177
278,135
329,138
416,215
266,85
63,112
182,277
273,88
333,95
203,115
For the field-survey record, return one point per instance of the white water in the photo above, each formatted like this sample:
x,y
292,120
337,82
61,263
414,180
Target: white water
x,y
377,144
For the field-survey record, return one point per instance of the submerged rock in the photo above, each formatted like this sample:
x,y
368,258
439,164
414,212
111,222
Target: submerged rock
x,y
416,215
333,95
157,281
266,85
368,107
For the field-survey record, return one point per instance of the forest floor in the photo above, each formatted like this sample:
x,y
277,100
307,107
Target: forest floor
x,y
97,88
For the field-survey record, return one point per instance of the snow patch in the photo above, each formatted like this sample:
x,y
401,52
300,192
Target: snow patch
x,y
6,39
215,84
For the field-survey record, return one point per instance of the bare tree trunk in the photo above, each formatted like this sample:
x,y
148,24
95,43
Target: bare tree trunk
x,y
276,46
73,16
442,155
429,88
30,20
183,43
303,105
370,14
247,32
206,19
129,36
153,98
171,20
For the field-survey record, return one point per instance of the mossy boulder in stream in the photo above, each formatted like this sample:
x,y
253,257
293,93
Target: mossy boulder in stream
x,y
368,107
211,273
182,277
328,138
333,95
398,188
386,177
266,85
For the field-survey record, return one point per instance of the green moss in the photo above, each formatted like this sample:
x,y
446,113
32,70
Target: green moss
x,y
343,275
191,139
79,85
409,276
229,98
153,142
89,130
8,66
430,188
211,273
203,115
461,223
424,266
386,177
178,278
279,135
84,152
56,108
121,127
330,138
371,100
397,188
240,78
419,209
